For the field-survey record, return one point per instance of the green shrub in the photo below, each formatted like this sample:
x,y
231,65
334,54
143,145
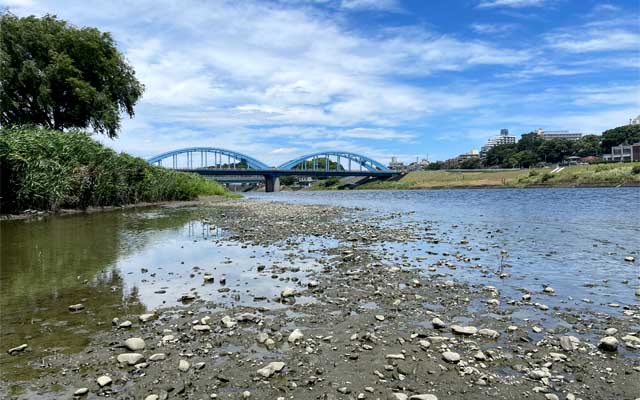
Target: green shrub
x,y
332,181
48,169
635,170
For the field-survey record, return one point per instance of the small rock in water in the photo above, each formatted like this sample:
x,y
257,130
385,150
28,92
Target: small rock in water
x,y
489,333
380,317
104,381
438,324
76,307
610,331
630,258
549,289
287,292
464,330
152,397
569,343
295,336
228,322
81,392
423,397
608,343
134,344
183,366
201,328
18,349
208,278
271,369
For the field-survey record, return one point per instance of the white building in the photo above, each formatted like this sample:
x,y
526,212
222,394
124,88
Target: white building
x,y
502,138
553,135
634,121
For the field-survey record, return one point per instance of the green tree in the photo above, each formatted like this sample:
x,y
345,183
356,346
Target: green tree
x,y
497,155
58,76
588,145
623,134
471,163
434,166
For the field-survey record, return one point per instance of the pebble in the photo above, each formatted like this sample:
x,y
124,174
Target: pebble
x,y
130,358
549,289
551,396
629,258
146,317
295,336
608,343
158,357
539,374
424,344
395,356
569,343
380,317
610,331
464,330
271,369
104,381
76,307
246,394
18,349
134,344
489,333
480,356
152,397
451,357
288,292
184,365
438,324
81,392
423,397
400,396
125,325
201,328
228,322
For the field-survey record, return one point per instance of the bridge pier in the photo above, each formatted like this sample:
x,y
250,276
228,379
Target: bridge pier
x,y
271,183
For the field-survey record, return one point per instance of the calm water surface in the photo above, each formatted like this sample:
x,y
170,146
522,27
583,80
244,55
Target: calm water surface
x,y
575,239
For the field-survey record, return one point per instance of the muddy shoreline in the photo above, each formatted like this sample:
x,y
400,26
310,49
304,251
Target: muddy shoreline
x,y
364,323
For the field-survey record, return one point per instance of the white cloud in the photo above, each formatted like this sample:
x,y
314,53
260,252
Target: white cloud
x,y
489,29
386,5
511,3
595,40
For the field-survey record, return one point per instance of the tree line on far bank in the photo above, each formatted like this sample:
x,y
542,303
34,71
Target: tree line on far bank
x,y
532,150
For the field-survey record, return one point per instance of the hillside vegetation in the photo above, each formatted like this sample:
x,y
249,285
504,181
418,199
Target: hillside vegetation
x,y
49,169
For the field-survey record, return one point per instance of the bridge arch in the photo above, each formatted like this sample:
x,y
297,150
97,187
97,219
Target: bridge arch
x,y
218,158
360,161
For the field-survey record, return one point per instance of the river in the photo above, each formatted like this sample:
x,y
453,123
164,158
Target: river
x,y
573,238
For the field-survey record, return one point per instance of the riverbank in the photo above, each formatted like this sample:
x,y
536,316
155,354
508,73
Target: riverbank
x,y
341,310
601,175
49,170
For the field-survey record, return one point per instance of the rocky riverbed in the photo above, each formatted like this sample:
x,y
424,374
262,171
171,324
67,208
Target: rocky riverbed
x,y
364,318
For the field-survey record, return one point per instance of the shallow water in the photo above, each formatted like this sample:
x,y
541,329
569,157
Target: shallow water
x,y
574,239
133,261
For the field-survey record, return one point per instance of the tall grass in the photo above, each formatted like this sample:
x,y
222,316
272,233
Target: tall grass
x,y
48,169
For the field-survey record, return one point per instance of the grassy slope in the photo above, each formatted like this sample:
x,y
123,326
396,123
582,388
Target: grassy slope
x,y
592,175
47,169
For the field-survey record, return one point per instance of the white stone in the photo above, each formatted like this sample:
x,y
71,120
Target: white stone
x,y
464,330
489,333
130,358
184,365
271,369
608,343
288,292
438,323
81,392
134,344
451,357
147,317
104,381
295,336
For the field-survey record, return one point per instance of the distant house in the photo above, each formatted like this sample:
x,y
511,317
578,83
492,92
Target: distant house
x,y
624,152
553,135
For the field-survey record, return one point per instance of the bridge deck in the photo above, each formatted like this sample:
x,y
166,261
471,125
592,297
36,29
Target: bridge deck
x,y
287,172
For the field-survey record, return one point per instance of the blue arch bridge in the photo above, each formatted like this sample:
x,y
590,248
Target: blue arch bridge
x,y
212,161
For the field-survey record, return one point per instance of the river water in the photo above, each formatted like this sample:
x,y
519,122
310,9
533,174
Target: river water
x,y
574,238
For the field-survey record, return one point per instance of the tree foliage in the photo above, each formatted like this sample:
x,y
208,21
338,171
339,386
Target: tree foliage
x,y
628,134
58,76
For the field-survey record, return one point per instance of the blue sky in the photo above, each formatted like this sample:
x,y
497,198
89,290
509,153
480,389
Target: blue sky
x,y
278,79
